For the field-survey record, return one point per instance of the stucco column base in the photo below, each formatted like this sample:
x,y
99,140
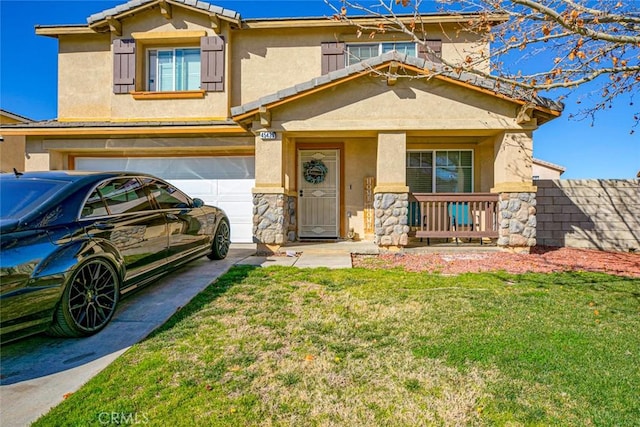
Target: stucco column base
x,y
264,249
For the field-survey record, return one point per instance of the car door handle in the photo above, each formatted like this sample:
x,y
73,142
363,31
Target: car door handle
x,y
104,226
172,217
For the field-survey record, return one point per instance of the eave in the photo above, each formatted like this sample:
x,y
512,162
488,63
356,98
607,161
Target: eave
x,y
120,130
63,30
320,22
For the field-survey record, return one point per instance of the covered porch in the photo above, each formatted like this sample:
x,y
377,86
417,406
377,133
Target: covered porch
x,y
353,155
371,189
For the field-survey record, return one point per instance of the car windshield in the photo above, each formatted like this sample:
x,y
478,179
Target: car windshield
x,y
21,196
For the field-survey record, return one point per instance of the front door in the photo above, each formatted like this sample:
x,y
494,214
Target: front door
x,y
318,201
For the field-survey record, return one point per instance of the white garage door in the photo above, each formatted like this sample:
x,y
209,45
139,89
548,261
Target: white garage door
x,y
225,182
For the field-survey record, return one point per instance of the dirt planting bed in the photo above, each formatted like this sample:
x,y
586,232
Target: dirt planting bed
x,y
541,259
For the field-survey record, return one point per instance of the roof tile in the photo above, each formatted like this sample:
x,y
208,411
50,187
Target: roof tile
x,y
132,4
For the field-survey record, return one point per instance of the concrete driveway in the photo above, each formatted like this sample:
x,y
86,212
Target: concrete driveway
x,y
37,372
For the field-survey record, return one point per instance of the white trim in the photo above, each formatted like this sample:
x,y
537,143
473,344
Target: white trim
x,y
379,44
173,50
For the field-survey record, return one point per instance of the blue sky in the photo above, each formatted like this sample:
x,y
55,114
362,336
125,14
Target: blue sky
x,y
28,84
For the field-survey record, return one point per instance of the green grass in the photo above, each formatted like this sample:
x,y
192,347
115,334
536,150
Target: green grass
x,y
286,346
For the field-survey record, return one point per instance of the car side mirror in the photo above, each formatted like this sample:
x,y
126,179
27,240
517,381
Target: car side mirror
x,y
198,203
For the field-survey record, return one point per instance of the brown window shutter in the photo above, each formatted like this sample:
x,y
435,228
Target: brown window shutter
x,y
435,46
124,65
332,56
212,63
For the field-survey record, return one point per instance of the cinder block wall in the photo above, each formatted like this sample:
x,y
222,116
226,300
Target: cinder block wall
x,y
597,214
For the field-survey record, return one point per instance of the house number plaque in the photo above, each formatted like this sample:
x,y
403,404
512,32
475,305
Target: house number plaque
x,y
267,136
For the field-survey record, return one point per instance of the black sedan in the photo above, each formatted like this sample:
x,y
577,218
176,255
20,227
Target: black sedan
x,y
72,243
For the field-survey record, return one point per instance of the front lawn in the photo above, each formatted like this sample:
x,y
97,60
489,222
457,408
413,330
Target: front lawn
x,y
288,346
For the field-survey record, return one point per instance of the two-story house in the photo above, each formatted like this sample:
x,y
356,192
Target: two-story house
x,y
298,128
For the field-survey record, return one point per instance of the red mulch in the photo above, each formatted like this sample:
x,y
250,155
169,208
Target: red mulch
x,y
541,260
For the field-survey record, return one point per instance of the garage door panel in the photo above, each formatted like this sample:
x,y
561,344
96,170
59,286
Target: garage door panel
x,y
204,189
235,189
236,210
225,182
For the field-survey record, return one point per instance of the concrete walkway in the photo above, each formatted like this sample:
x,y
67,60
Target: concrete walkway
x,y
312,255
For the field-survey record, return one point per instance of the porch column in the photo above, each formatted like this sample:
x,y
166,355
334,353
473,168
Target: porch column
x,y
513,181
391,194
271,210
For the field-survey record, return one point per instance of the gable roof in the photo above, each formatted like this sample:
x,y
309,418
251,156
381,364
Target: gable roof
x,y
14,116
549,165
134,6
379,63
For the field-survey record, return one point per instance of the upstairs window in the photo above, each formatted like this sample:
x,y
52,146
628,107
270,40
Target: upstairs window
x,y
173,70
196,69
337,55
362,51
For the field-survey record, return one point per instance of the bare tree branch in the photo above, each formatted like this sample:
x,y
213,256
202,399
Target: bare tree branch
x,y
535,45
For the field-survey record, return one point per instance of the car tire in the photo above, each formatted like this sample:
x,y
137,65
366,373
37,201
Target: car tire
x,y
89,300
221,241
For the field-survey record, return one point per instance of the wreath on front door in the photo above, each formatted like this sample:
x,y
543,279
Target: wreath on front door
x,y
314,171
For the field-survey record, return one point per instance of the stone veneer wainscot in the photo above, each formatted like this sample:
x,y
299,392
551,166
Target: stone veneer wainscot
x,y
274,218
391,219
517,216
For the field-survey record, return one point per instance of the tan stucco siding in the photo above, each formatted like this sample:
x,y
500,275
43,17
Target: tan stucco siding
x,y
484,169
12,153
85,68
258,62
5,120
513,160
212,106
270,60
37,158
86,73
12,147
391,160
368,104
545,172
457,51
152,20
290,156
269,163
360,162
267,61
